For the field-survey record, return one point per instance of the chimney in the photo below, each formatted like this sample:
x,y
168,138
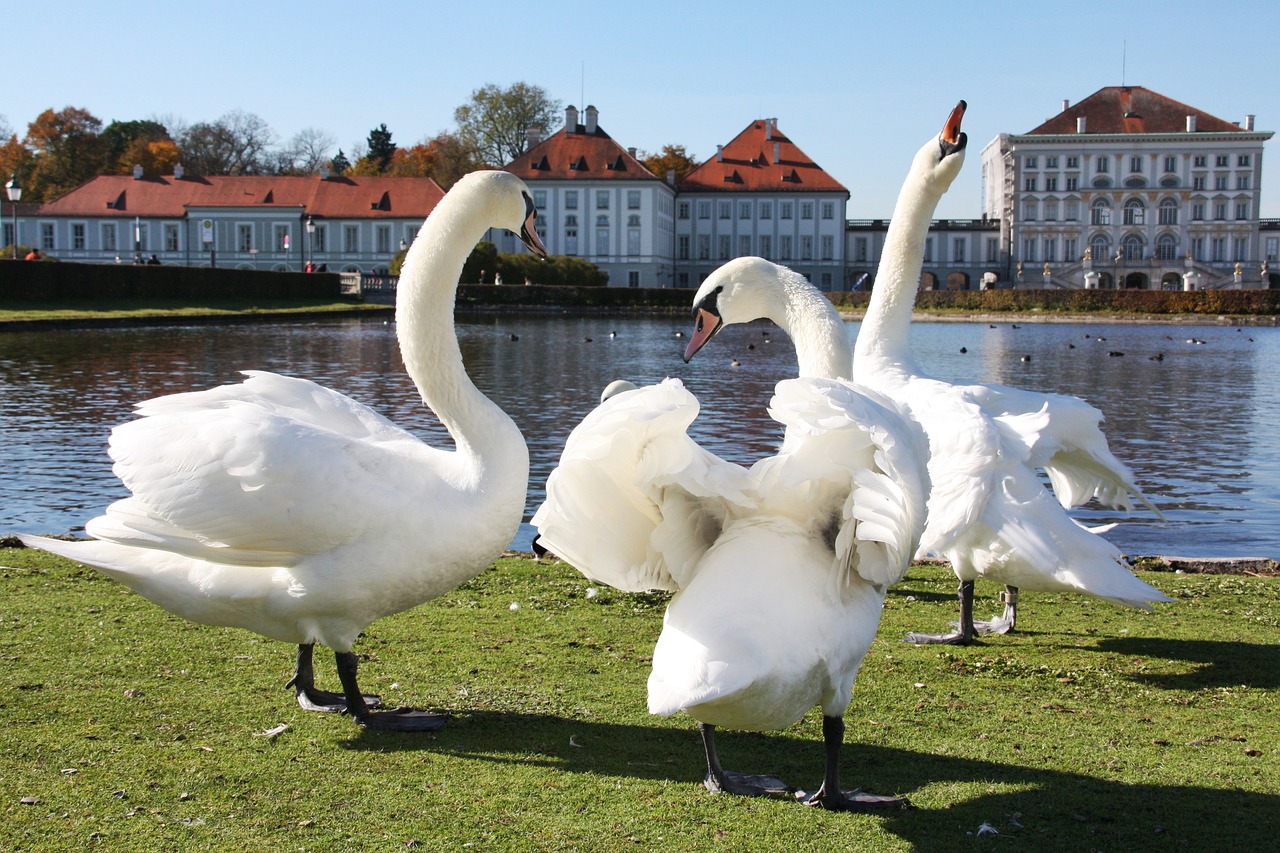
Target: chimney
x,y
1191,124
571,119
178,171
532,136
671,177
768,128
632,152
719,153
592,115
324,173
137,172
1080,124
1248,122
1065,104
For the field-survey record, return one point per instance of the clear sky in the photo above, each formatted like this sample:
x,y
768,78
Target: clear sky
x,y
859,86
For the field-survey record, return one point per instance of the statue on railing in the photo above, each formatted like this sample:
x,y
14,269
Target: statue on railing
x,y
1088,253
1046,269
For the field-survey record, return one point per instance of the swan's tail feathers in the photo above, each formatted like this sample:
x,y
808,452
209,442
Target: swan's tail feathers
x,y
1078,476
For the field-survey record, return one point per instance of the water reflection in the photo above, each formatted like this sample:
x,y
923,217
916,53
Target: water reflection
x,y
1199,426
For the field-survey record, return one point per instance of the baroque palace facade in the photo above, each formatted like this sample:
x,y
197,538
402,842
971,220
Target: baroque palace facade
x,y
1127,188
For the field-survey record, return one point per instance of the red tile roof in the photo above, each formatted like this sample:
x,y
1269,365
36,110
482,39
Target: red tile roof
x,y
1133,109
748,163
574,154
169,197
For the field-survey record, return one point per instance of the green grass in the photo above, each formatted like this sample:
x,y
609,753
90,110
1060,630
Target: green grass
x,y
1092,728
133,309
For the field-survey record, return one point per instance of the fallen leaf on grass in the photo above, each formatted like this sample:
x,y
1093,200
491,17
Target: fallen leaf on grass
x,y
273,732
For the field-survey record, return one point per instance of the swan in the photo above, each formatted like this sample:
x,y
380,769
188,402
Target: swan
x,y
988,513
779,570
283,507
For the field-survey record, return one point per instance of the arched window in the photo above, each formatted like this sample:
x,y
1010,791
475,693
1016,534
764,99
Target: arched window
x,y
1169,212
1100,213
1100,247
1167,247
1135,212
1132,245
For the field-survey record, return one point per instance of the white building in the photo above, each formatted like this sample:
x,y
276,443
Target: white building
x,y
1129,188
596,201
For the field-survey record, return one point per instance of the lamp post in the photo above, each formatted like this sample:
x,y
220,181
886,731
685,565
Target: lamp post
x,y
311,232
15,194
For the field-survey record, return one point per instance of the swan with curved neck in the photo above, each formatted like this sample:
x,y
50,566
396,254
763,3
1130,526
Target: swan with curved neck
x,y
780,571
286,508
987,512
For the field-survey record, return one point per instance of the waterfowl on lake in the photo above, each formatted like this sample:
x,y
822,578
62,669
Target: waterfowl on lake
x,y
289,509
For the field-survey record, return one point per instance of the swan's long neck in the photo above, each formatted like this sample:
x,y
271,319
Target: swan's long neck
x,y
429,345
814,326
883,334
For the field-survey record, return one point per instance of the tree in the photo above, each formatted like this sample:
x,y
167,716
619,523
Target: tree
x,y
445,158
381,149
67,152
235,144
306,153
119,136
340,164
670,158
156,157
493,124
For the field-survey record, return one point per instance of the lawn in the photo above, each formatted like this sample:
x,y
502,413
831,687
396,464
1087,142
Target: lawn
x,y
1092,728
128,310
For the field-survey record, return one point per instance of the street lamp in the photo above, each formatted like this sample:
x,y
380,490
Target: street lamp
x,y
15,194
311,231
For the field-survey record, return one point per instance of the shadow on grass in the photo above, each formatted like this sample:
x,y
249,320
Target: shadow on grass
x,y
1053,810
1225,664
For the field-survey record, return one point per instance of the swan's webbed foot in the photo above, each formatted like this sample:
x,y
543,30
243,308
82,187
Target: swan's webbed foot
x,y
747,785
721,781
395,720
852,801
965,631
401,720
310,697
1004,623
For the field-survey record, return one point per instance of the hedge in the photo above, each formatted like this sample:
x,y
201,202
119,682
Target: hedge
x,y
1214,302
32,281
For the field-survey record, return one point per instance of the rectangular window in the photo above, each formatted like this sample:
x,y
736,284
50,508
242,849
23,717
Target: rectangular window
x,y
1220,210
77,235
1197,248
1050,185
108,237
1072,211
244,238
1168,214
784,247
633,241
1051,211
806,248
1171,164
633,278
1029,212
280,238
633,200
1029,250
1051,162
828,247
828,210
1197,183
744,210
1050,249
1104,165
140,236
766,246
540,199
723,209
1241,252
682,247
722,247
1221,161
744,245
860,249
1073,162
351,239
993,250
766,210
1201,161
571,200
957,250
928,250
1197,211
383,233
704,247
318,239
1030,162
1242,210
602,199
1029,185
1220,182
682,210
171,238
785,210
602,241
1070,247
1218,246
1073,184
1273,248
46,236
1242,182
1135,164
704,210
806,210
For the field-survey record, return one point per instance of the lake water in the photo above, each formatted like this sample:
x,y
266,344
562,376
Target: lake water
x,y
1200,428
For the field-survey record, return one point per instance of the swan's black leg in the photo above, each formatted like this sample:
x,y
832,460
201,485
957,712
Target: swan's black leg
x,y
395,720
313,699
1005,622
721,781
965,631
830,796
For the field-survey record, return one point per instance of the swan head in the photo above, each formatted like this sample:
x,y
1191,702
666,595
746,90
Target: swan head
x,y
939,161
740,291
510,205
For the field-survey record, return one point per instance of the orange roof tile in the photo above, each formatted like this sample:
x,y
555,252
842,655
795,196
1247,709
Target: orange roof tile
x,y
749,163
169,197
1133,109
579,155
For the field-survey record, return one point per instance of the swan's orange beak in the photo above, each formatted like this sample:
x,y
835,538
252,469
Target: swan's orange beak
x,y
951,130
705,325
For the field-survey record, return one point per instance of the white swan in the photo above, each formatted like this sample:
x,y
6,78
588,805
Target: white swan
x,y
988,513
291,510
780,571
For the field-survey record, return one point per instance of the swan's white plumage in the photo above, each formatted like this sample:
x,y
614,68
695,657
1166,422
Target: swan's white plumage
x,y
286,508
988,513
780,570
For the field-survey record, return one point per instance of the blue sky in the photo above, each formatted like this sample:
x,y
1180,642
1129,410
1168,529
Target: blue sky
x,y
859,86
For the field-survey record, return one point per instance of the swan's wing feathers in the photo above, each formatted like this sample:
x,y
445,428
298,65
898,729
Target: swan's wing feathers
x,y
247,479
844,445
635,502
